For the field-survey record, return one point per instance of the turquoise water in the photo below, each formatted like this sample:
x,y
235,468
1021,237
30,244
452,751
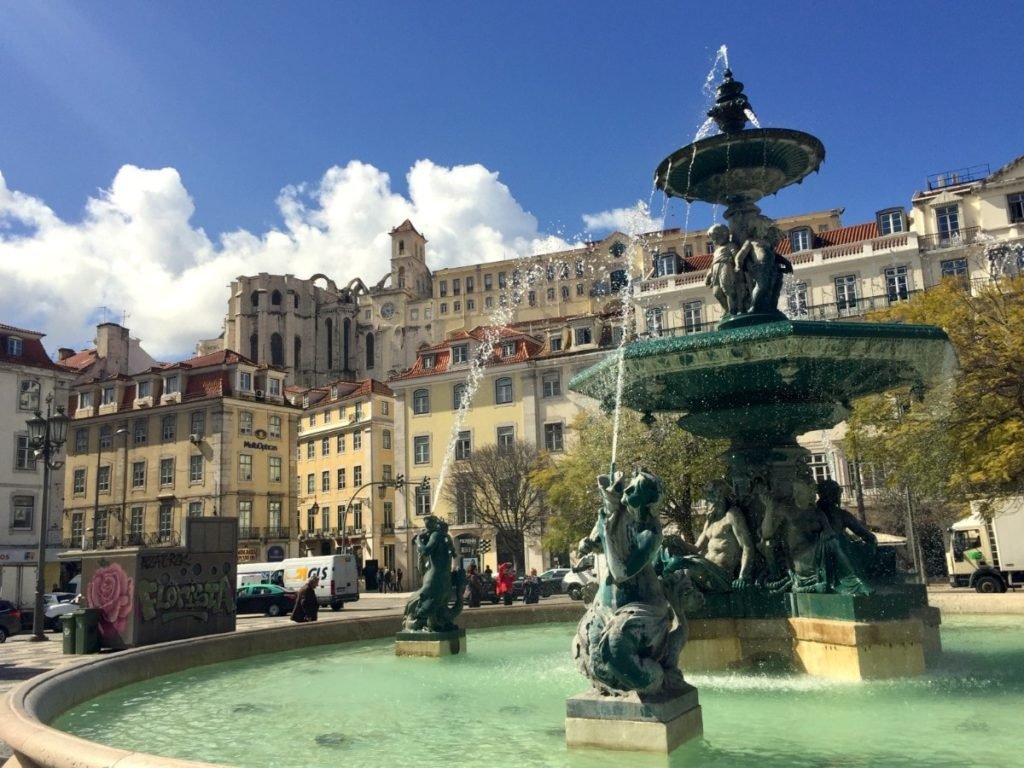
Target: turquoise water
x,y
503,704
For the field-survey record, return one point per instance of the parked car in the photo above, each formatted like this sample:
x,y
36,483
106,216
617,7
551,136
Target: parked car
x,y
10,620
269,599
550,583
581,574
55,605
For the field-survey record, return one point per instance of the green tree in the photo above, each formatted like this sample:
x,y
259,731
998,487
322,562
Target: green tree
x,y
684,463
495,487
964,440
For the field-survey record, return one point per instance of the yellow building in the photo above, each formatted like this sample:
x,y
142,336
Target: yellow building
x,y
212,435
520,394
346,470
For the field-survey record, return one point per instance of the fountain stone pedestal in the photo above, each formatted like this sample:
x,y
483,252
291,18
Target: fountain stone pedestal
x,y
431,644
634,722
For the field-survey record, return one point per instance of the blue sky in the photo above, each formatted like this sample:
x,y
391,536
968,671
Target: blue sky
x,y
170,147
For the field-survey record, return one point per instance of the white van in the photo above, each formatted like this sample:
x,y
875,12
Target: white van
x,y
259,573
339,577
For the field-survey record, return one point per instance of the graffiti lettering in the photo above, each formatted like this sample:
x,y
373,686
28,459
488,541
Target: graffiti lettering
x,y
169,602
164,560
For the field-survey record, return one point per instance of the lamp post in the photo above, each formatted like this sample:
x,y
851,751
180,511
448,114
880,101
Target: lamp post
x,y
46,436
397,483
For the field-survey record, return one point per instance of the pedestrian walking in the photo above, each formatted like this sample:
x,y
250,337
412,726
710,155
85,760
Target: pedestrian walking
x,y
474,588
506,577
398,579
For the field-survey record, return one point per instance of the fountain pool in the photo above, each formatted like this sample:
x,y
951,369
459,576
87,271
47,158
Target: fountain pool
x,y
504,704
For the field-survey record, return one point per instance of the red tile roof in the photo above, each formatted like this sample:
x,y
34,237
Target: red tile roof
x,y
211,384
855,233
33,354
220,357
526,347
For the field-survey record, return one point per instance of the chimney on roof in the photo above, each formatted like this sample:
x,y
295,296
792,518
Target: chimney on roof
x,y
112,345
64,353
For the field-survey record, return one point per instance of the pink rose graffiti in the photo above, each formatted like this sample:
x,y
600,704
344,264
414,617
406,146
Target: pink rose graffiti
x,y
110,589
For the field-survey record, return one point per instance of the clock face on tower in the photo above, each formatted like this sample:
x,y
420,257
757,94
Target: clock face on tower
x,y
387,310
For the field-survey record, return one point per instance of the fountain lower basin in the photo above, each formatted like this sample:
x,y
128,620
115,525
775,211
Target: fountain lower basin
x,y
507,700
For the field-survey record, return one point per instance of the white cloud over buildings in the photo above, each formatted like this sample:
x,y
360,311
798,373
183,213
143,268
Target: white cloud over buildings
x,y
136,250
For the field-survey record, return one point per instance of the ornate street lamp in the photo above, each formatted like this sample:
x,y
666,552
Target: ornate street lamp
x,y
45,436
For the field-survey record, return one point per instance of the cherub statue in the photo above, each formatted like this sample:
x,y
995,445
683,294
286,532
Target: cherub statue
x,y
758,260
725,278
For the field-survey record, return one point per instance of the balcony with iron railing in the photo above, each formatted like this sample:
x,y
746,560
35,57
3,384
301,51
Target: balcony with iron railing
x,y
956,239
872,248
164,538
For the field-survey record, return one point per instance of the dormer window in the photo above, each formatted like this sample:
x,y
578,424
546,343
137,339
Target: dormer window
x,y
508,349
144,389
15,346
891,221
84,400
665,263
172,385
460,354
245,381
109,395
800,239
334,392
428,362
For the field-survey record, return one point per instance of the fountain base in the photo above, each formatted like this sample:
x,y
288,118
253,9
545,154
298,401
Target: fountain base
x,y
430,644
634,722
822,647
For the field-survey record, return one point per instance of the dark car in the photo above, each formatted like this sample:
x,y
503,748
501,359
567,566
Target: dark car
x,y
269,599
10,620
550,583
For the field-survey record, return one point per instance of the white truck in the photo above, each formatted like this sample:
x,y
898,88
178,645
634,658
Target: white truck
x,y
986,552
339,577
259,573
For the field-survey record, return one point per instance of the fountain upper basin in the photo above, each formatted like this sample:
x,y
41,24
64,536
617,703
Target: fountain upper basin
x,y
739,167
788,376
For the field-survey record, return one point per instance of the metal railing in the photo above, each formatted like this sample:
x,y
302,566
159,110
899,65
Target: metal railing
x,y
167,538
956,239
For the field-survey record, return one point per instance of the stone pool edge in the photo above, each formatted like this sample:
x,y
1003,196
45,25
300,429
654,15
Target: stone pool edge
x,y
25,712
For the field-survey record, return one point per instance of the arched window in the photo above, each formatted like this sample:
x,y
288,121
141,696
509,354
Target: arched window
x,y
254,348
503,390
276,349
254,298
421,401
329,333
275,298
459,393
295,300
401,246
401,277
369,351
297,358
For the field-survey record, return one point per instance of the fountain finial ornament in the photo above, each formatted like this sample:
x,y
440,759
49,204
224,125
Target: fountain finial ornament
x,y
731,109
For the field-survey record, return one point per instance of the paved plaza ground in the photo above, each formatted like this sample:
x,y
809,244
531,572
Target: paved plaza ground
x,y
21,658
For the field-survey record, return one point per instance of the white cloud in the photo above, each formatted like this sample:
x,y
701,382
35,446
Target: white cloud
x,y
135,248
631,221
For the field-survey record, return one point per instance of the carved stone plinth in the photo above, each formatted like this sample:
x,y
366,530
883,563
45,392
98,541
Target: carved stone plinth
x,y
823,647
433,644
633,722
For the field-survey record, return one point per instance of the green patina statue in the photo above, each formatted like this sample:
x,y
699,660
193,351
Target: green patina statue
x,y
633,632
431,608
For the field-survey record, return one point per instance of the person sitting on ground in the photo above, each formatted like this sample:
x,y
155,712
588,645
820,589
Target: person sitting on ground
x,y
306,604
